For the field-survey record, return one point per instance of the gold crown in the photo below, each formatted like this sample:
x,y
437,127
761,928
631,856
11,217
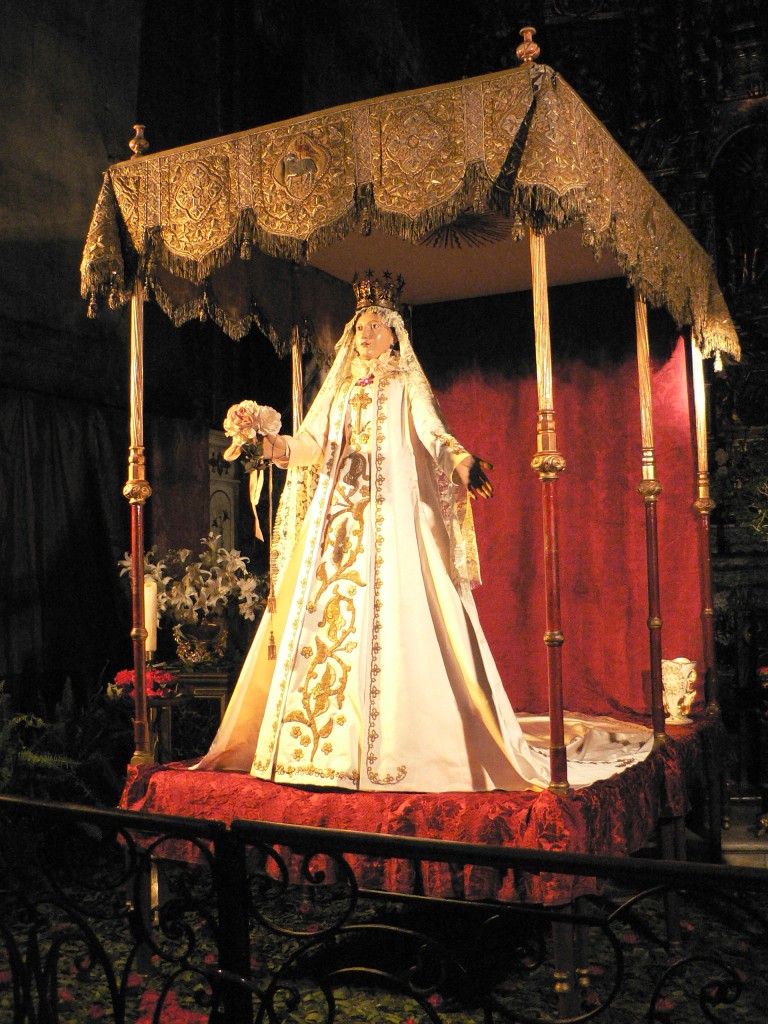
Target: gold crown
x,y
372,291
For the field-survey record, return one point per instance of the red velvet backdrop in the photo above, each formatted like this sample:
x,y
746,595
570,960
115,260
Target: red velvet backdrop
x,y
604,594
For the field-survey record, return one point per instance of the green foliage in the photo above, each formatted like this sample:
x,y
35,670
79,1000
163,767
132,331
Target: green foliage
x,y
77,756
13,729
740,483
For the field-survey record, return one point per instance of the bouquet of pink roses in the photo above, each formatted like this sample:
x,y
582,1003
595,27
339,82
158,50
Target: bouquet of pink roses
x,y
245,423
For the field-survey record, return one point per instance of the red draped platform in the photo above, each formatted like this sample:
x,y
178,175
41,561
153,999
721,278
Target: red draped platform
x,y
610,818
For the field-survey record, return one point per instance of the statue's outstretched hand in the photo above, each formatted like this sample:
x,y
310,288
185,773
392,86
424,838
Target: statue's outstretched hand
x,y
472,473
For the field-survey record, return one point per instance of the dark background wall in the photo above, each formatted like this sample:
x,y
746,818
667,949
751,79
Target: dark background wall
x,y
682,85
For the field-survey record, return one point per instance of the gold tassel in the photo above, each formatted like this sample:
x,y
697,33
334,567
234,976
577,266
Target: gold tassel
x,y
271,601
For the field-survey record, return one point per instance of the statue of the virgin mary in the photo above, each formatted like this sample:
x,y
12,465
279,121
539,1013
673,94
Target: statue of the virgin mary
x,y
372,672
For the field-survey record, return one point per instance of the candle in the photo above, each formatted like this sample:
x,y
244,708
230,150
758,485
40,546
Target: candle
x,y
150,614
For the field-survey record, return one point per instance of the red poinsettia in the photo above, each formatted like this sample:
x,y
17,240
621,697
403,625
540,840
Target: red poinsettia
x,y
158,684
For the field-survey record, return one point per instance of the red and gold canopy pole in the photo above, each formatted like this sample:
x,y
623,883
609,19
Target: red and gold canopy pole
x,y
650,489
137,490
704,506
549,463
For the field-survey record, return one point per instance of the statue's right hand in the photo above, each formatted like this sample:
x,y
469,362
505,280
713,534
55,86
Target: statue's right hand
x,y
274,446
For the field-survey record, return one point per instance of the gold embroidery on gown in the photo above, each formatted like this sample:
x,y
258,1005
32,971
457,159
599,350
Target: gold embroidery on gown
x,y
262,759
315,711
372,756
322,719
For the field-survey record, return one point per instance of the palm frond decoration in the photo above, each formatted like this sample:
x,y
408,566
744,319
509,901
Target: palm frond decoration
x,y
468,229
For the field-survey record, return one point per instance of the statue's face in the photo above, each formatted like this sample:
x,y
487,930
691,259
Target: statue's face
x,y
372,336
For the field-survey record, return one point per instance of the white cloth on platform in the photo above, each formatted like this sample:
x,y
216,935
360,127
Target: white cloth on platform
x,y
383,678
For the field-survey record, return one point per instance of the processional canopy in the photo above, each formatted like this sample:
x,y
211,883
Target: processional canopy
x,y
453,187
269,226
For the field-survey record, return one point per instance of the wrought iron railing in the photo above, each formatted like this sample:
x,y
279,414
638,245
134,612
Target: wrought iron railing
x,y
135,917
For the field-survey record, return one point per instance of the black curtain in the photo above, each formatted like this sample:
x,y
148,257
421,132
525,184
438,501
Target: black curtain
x,y
64,612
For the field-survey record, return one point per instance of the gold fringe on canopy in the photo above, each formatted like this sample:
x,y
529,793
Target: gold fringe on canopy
x,y
521,144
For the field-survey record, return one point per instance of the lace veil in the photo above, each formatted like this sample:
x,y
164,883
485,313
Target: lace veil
x,y
301,481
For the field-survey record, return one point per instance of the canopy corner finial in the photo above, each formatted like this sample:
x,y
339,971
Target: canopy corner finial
x,y
139,143
527,51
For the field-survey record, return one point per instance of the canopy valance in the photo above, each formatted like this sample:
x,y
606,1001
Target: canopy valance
x,y
438,184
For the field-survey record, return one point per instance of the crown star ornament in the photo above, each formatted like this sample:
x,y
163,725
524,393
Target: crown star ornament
x,y
373,291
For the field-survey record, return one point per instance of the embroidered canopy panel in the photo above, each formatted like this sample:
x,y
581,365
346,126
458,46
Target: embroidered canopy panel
x,y
268,226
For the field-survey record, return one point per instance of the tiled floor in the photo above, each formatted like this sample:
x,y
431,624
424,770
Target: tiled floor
x,y
741,846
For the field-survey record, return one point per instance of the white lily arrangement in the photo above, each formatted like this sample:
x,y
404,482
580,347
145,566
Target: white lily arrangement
x,y
190,590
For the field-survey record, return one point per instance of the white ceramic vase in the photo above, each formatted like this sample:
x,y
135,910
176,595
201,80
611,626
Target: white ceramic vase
x,y
678,676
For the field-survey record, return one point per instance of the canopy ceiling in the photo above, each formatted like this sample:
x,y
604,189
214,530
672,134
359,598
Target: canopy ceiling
x,y
440,185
